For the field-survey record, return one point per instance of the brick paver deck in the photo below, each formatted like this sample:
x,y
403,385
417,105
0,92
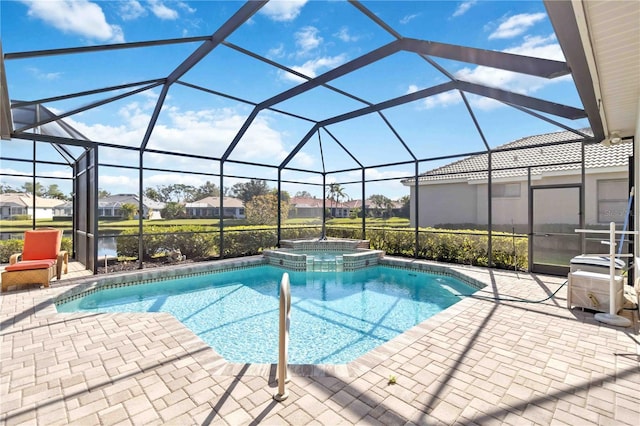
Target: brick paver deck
x,y
478,362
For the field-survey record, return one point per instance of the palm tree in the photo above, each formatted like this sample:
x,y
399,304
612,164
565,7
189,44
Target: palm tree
x,y
335,193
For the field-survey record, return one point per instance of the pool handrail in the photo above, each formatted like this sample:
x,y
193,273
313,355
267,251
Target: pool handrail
x,y
283,340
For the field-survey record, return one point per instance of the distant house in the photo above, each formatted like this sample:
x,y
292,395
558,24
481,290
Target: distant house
x,y
209,207
14,204
394,209
308,207
111,207
456,193
305,207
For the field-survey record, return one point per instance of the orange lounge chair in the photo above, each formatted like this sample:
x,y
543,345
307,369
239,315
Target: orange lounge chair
x,y
41,259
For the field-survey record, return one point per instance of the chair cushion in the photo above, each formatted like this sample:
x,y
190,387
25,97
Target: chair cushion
x,y
41,244
26,265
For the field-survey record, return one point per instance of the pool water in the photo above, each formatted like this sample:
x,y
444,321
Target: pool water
x,y
323,255
335,318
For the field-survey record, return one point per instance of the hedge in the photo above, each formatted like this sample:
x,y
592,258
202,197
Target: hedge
x,y
201,242
193,241
464,247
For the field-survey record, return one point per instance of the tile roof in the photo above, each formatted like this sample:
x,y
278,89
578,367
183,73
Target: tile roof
x,y
307,202
543,153
26,200
215,202
120,199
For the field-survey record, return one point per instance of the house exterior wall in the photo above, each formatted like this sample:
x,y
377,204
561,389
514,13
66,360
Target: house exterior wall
x,y
41,213
214,212
11,210
305,212
445,203
7,212
463,203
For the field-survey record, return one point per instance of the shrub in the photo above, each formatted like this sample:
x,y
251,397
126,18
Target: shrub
x,y
67,244
247,242
463,247
294,233
173,210
193,241
9,247
468,247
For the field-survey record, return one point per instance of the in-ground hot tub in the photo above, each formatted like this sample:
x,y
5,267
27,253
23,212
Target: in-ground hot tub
x,y
323,255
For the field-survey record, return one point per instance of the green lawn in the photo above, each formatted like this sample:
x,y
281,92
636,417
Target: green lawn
x,y
120,225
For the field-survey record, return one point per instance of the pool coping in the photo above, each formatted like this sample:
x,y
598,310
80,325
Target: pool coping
x,y
80,287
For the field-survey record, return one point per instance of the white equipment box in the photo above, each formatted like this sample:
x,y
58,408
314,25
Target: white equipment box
x,y
594,263
590,290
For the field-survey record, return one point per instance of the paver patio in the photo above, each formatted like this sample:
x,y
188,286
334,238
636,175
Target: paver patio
x,y
478,362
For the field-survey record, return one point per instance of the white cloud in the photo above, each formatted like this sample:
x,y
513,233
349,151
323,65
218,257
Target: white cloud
x,y
302,160
186,7
442,99
307,39
79,17
408,18
540,47
10,177
464,7
283,10
192,131
516,25
118,184
343,34
206,132
132,9
313,67
276,52
162,11
40,75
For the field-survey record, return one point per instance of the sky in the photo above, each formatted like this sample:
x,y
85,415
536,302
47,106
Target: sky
x,y
309,37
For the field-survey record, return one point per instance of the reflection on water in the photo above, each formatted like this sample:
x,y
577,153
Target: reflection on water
x,y
107,246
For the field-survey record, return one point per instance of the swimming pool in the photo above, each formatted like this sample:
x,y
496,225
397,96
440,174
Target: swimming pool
x,y
335,317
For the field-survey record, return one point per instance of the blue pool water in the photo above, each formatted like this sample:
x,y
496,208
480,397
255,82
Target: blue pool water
x,y
335,317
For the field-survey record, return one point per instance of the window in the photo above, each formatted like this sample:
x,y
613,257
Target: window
x,y
612,200
505,190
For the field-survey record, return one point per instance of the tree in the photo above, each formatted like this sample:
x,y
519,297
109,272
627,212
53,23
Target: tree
x,y
381,204
177,192
304,194
103,193
335,193
263,209
6,189
246,191
284,195
154,194
173,210
28,188
129,210
53,191
405,211
209,189
181,192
